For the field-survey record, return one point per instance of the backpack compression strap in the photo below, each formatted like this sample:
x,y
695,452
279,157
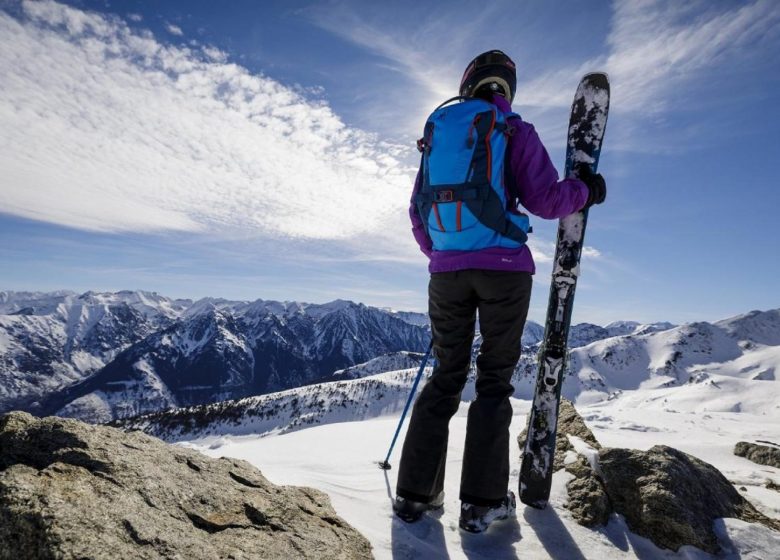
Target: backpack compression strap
x,y
477,193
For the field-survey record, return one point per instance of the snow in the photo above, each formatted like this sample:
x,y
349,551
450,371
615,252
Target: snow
x,y
341,459
84,361
5,342
92,407
581,447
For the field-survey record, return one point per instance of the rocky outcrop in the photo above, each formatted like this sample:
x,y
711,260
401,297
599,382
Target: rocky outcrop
x,y
588,500
671,497
70,490
665,495
570,423
761,454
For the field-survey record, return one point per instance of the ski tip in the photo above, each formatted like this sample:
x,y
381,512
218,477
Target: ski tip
x,y
599,78
596,74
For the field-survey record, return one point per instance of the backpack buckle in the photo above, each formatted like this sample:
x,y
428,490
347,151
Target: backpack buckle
x,y
423,146
444,196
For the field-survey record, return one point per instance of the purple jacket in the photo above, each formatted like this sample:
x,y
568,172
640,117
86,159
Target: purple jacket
x,y
534,181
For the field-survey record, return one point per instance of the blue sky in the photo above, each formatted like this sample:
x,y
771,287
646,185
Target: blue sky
x,y
265,149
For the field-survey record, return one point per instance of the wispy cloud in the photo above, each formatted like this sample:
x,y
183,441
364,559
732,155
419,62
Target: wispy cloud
x,y
653,50
655,47
106,128
174,29
427,57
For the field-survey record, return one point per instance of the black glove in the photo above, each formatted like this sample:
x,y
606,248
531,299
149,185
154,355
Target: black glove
x,y
597,186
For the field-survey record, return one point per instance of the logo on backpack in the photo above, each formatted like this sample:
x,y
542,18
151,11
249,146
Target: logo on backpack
x,y
462,200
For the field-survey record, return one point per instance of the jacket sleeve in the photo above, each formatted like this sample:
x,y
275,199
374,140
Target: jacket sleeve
x,y
418,229
536,179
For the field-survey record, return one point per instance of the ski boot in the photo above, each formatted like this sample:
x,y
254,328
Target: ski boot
x,y
410,511
476,519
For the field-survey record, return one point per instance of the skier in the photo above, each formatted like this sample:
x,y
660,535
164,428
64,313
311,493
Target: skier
x,y
494,278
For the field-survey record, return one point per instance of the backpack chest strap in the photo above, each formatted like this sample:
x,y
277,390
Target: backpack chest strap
x,y
454,193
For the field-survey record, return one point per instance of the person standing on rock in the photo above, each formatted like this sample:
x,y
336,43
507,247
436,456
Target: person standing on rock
x,y
480,162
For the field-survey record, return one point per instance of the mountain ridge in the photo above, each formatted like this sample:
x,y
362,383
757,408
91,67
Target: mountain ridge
x,y
698,367
100,356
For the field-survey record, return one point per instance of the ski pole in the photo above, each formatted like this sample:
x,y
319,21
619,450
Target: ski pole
x,y
385,465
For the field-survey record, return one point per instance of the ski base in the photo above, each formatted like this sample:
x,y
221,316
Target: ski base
x,y
586,132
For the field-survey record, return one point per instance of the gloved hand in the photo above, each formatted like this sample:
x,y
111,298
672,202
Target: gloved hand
x,y
597,186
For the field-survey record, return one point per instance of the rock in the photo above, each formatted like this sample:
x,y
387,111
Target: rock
x,y
571,423
761,454
588,500
70,490
771,485
664,494
671,497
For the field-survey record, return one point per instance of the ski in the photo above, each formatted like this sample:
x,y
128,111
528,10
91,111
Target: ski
x,y
586,132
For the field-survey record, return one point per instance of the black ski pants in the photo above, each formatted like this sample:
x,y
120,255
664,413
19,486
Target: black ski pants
x,y
502,299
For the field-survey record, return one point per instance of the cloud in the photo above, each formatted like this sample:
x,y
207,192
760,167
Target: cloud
x,y
407,50
214,54
174,29
655,47
591,252
106,128
425,55
654,50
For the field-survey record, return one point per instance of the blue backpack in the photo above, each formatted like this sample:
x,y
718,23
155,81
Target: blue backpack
x,y
462,200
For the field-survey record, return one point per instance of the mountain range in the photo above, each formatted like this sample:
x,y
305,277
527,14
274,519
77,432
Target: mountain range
x,y
702,368
109,356
99,356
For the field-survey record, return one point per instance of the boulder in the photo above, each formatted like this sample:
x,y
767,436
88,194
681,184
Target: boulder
x,y
569,423
668,496
761,454
671,497
588,500
70,490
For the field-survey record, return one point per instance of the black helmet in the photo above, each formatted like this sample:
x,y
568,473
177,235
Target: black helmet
x,y
493,69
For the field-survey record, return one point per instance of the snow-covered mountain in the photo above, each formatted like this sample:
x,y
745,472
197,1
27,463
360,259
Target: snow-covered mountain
x,y
99,356
52,341
728,366
583,334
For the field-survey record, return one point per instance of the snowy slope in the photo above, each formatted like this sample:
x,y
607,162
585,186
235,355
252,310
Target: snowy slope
x,y
386,362
285,411
728,365
340,459
699,387
49,342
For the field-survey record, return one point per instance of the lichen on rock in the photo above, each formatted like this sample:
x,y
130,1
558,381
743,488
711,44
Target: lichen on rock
x,y
760,454
72,490
664,494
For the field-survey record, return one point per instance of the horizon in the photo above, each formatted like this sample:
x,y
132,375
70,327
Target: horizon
x,y
193,301
192,149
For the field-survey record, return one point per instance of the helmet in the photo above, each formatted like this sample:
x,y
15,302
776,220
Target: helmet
x,y
493,69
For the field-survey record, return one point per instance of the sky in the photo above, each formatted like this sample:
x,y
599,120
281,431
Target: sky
x,y
266,149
